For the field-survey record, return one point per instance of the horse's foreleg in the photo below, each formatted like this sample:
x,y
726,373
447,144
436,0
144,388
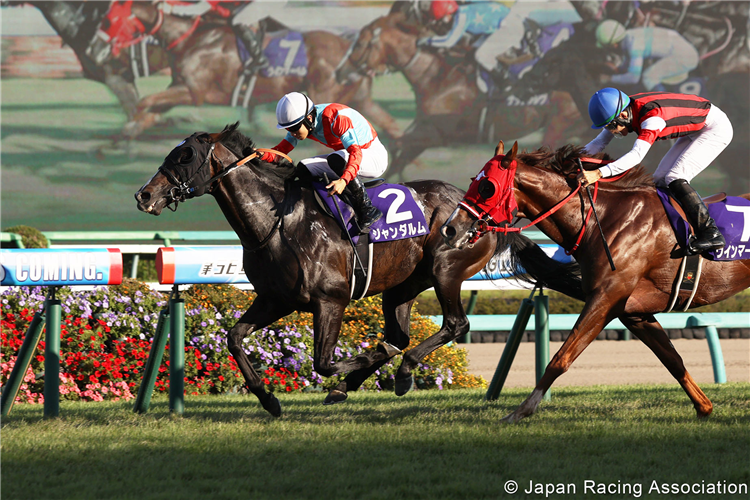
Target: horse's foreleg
x,y
653,335
380,117
420,135
150,108
595,315
262,313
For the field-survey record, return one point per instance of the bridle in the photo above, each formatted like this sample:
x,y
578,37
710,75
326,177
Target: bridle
x,y
481,225
182,191
360,65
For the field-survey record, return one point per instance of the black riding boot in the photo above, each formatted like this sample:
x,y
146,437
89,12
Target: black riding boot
x,y
365,211
707,236
356,194
254,44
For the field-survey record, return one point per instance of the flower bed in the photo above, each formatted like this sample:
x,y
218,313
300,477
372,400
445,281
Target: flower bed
x,y
106,335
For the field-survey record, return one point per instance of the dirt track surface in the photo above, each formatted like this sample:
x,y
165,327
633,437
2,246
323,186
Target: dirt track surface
x,y
611,362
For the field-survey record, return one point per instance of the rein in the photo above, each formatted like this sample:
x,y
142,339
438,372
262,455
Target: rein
x,y
185,35
182,190
483,227
144,35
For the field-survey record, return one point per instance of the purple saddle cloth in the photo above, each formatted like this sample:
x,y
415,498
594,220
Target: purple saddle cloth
x,y
732,217
402,217
286,53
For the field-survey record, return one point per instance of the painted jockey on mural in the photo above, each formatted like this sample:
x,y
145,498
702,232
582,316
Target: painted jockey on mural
x,y
652,55
502,33
489,26
702,131
243,17
357,150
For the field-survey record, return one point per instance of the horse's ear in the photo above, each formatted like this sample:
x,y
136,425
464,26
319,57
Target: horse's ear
x,y
513,151
214,138
500,148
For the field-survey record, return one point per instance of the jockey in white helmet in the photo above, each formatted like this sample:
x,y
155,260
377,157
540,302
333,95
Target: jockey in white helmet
x,y
357,150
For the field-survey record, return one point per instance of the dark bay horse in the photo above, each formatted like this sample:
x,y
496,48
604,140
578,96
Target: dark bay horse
x,y
450,107
76,23
296,258
206,67
643,247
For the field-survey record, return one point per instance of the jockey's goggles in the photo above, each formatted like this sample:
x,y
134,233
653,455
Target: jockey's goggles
x,y
612,125
294,128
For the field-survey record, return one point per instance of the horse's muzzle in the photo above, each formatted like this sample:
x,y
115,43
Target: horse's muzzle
x,y
145,204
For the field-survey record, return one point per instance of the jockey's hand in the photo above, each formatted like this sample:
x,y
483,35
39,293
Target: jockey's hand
x,y
589,177
423,42
336,187
269,157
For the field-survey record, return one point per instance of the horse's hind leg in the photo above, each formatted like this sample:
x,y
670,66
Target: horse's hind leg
x,y
455,324
653,335
150,109
262,313
396,313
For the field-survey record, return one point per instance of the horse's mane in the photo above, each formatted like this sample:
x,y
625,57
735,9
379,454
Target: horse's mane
x,y
243,146
563,162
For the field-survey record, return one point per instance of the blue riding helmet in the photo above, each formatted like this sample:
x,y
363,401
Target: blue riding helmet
x,y
605,105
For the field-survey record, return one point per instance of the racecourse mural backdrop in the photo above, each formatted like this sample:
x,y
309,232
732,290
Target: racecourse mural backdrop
x,y
95,94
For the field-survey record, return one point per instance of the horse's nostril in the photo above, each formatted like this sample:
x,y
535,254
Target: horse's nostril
x,y
142,196
448,231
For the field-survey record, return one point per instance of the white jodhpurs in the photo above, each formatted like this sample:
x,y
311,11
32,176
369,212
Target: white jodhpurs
x,y
374,162
694,152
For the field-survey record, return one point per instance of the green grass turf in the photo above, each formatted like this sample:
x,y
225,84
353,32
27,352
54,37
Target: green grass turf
x,y
429,444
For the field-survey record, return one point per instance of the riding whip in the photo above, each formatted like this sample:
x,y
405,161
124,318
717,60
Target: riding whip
x,y
343,223
596,216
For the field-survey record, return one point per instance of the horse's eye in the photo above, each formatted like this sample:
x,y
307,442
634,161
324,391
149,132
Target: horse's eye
x,y
486,189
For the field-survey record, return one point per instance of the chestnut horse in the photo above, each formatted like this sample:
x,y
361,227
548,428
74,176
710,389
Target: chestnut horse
x,y
206,67
643,247
450,107
296,258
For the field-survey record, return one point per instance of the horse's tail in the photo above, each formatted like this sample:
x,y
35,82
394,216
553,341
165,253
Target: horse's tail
x,y
531,264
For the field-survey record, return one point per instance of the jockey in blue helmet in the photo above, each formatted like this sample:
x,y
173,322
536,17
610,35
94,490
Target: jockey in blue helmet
x,y
700,128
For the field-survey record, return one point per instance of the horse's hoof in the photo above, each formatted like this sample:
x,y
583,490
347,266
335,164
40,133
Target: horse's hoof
x,y
272,405
388,349
704,414
335,396
511,418
404,385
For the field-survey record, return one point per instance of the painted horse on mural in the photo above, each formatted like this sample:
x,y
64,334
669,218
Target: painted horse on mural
x,y
294,268
76,23
450,107
640,244
206,68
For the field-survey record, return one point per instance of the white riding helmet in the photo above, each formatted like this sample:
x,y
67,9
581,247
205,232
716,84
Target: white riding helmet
x,y
292,109
609,32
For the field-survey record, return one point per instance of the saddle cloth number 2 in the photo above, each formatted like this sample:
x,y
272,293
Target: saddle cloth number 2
x,y
393,216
